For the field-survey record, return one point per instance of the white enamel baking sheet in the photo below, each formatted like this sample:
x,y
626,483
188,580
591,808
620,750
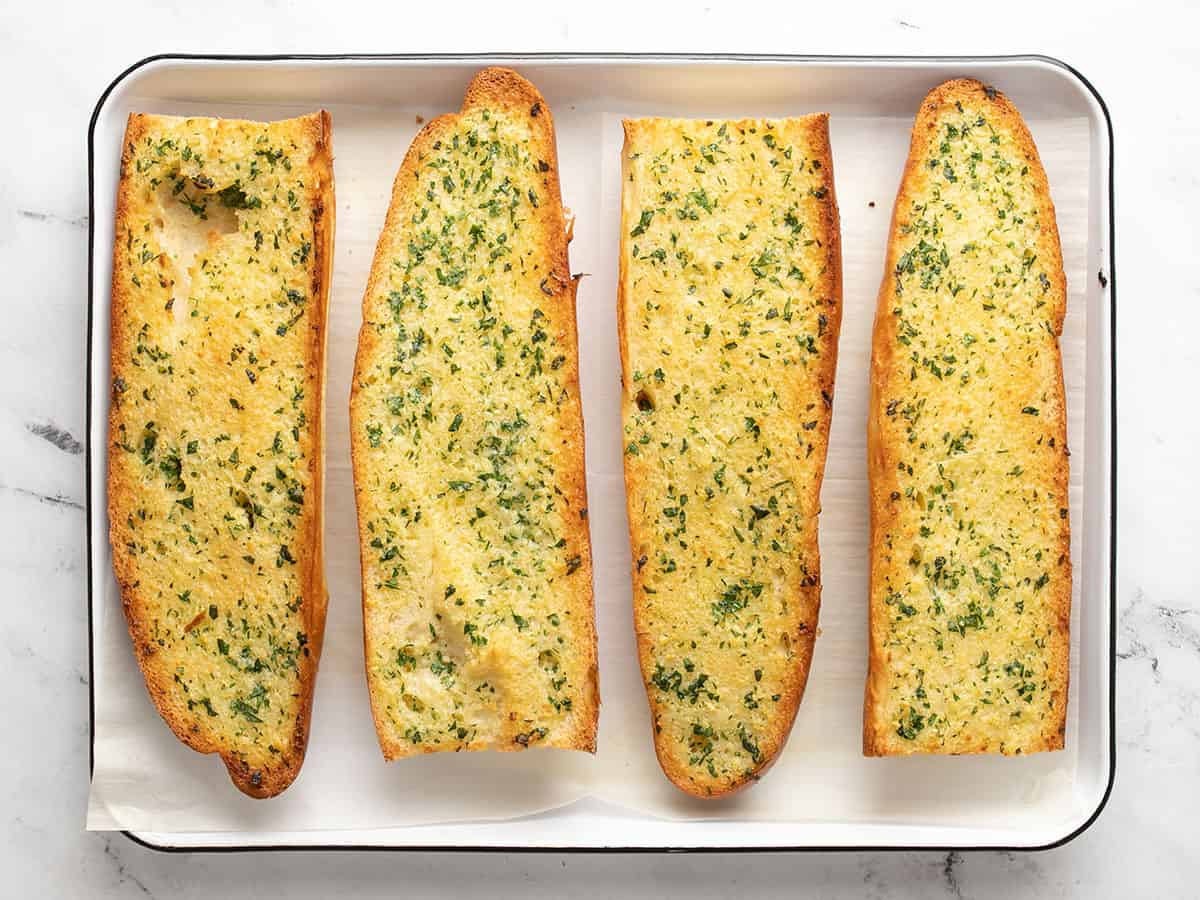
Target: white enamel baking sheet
x,y
822,792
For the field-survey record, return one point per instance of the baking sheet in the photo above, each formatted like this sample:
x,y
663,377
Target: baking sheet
x,y
145,780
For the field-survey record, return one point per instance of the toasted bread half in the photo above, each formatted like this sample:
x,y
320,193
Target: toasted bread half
x,y
221,267
729,308
967,446
467,439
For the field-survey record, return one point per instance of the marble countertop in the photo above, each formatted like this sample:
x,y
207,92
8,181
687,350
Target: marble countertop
x,y
56,59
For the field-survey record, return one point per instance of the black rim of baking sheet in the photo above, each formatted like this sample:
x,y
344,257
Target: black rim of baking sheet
x,y
516,58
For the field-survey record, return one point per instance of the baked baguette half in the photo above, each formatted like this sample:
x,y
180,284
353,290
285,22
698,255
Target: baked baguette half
x,y
970,585
221,265
467,439
729,309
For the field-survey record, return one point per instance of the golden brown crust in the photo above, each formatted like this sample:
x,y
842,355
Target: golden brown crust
x,y
498,89
261,781
806,589
882,458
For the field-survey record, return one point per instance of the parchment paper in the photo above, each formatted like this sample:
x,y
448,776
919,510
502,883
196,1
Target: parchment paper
x,y
146,780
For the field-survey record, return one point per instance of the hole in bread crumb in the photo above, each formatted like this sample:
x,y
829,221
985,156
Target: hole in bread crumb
x,y
193,219
645,403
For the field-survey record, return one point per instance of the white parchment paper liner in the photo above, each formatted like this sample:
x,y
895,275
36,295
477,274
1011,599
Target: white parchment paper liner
x,y
145,780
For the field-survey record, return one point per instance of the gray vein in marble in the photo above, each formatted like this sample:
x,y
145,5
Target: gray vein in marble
x,y
1135,647
904,24
49,499
950,873
34,661
1026,861
1142,621
53,219
123,873
1175,621
874,890
1168,638
59,437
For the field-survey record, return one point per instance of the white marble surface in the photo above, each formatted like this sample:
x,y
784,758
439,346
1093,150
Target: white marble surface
x,y
55,58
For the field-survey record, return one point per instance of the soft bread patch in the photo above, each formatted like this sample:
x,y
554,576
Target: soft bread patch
x,y
220,281
729,310
967,452
467,440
